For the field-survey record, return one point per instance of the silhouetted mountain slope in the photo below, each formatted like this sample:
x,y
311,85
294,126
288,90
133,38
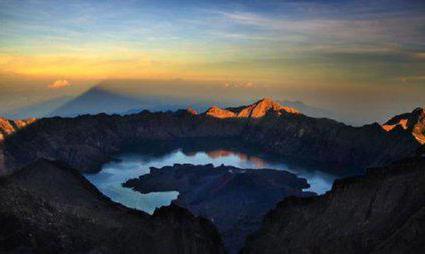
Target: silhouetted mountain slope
x,y
87,141
50,208
324,140
234,199
382,212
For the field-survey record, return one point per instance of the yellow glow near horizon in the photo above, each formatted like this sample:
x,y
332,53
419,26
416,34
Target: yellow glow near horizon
x,y
127,67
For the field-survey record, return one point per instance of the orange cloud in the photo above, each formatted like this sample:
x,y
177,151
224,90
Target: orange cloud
x,y
59,84
239,84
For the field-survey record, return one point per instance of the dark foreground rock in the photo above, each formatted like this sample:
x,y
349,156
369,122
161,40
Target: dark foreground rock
x,y
234,199
50,208
381,212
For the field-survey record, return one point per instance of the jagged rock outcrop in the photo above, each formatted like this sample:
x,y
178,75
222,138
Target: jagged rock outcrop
x,y
8,127
381,212
85,142
50,208
234,199
413,123
255,110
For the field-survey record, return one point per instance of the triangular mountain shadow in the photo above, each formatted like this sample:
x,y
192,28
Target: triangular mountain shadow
x,y
97,100
102,100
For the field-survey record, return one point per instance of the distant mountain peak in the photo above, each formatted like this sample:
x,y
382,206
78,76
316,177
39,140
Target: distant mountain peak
x,y
413,122
263,106
255,110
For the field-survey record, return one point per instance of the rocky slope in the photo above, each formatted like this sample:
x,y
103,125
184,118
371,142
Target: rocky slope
x,y
413,123
324,141
381,212
234,199
87,141
50,208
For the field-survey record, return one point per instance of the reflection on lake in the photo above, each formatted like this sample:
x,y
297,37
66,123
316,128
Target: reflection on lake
x,y
133,163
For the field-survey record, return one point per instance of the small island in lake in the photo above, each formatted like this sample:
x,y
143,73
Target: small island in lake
x,y
234,199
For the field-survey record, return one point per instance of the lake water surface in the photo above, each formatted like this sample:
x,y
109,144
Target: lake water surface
x,y
133,163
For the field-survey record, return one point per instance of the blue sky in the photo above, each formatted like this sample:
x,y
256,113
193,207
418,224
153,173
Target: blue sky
x,y
27,26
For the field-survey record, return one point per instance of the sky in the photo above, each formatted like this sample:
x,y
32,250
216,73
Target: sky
x,y
345,55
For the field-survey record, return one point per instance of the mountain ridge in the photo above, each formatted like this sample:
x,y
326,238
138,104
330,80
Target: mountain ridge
x,y
87,141
256,110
